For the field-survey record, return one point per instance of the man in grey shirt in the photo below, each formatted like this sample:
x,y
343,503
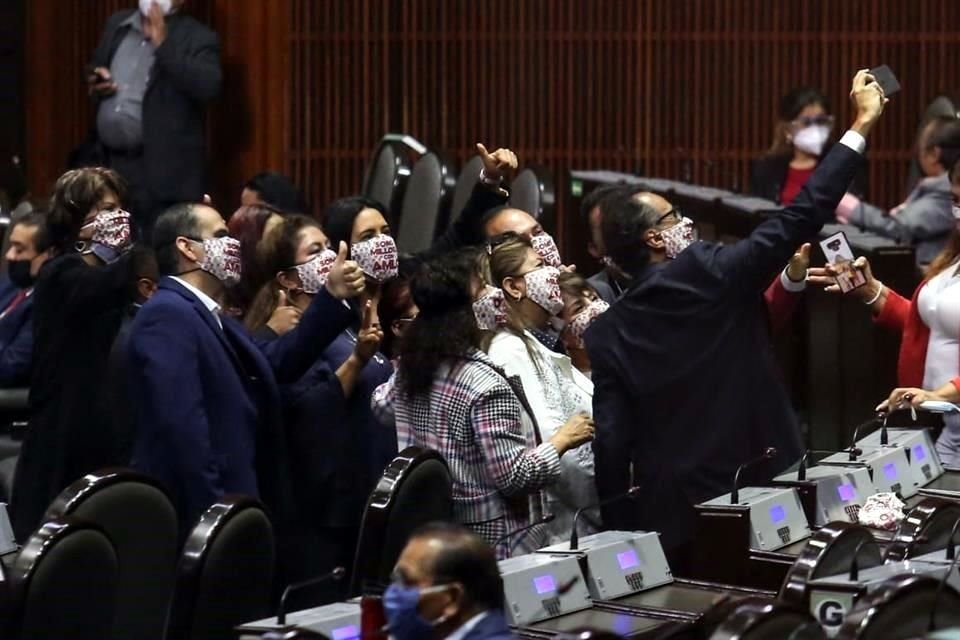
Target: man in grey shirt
x,y
152,76
925,219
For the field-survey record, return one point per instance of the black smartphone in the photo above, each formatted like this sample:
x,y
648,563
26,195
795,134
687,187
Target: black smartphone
x,y
887,81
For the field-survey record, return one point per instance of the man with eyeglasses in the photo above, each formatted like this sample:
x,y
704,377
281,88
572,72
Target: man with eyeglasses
x,y
686,385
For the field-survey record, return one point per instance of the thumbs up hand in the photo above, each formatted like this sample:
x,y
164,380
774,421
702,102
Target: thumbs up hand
x,y
346,278
499,165
799,263
285,317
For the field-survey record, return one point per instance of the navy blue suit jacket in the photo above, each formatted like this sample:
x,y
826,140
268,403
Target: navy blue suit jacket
x,y
207,400
686,385
16,339
492,626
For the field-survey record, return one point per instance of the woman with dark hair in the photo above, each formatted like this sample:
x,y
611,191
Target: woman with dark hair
x,y
449,396
581,306
801,137
79,299
396,310
334,455
249,224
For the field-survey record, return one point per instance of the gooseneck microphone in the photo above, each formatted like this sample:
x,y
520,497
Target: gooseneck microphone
x,y
632,493
952,557
769,453
547,517
802,470
854,452
336,574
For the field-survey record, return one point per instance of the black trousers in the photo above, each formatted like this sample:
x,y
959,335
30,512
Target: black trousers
x,y
141,201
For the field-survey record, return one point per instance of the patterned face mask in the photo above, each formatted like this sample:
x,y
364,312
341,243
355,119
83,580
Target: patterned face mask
x,y
314,272
111,228
546,248
679,237
543,287
490,309
221,259
377,257
578,325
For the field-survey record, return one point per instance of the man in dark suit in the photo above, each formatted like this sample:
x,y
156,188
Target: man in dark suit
x,y
205,394
29,249
686,386
446,585
152,75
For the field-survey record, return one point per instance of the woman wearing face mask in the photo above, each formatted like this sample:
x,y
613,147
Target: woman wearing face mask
x,y
559,395
581,306
250,225
397,311
449,396
79,299
337,459
801,137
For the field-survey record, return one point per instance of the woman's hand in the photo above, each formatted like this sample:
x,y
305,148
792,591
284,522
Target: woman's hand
x,y
369,336
578,430
285,317
907,396
826,277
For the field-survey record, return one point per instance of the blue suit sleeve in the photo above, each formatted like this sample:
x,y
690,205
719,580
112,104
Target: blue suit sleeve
x,y
17,357
172,422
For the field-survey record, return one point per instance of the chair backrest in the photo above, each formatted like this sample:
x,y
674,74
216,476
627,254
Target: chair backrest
x,y
829,552
900,608
926,529
63,584
426,203
416,488
762,619
532,191
137,516
226,571
466,182
387,174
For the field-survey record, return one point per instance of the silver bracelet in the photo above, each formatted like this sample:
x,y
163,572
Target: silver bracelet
x,y
876,297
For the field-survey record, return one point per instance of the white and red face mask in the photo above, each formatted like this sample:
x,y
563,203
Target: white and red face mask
x,y
546,248
679,237
111,228
314,272
490,309
377,257
543,287
221,259
580,322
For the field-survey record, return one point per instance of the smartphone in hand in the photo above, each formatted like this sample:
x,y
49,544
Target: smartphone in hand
x,y
839,255
887,81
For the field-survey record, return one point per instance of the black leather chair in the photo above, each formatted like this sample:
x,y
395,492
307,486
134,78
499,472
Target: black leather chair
x,y
901,608
389,170
226,572
136,514
8,469
426,203
926,529
829,552
63,584
466,181
532,191
416,488
760,619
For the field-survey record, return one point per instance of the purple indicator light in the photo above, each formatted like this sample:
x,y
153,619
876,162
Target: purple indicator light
x,y
919,453
628,559
890,470
847,492
777,514
544,584
346,633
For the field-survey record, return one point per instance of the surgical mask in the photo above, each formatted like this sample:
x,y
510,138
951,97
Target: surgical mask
x,y
19,273
490,309
543,287
221,259
812,139
546,248
165,6
679,237
314,272
404,621
377,257
580,322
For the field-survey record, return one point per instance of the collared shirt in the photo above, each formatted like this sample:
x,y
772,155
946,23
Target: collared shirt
x,y
207,301
468,626
120,116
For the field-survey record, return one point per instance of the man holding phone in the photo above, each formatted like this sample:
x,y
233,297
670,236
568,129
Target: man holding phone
x,y
152,76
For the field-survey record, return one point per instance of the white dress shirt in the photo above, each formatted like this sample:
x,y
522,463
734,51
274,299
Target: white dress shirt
x,y
207,301
939,307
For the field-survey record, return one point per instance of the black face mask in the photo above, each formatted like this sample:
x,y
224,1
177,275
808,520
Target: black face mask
x,y
19,272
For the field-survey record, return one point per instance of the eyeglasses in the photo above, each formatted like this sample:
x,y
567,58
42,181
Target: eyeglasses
x,y
809,121
674,215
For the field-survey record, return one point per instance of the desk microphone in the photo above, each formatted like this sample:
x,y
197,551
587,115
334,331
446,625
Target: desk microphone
x,y
952,557
802,471
632,493
547,517
854,452
769,453
335,575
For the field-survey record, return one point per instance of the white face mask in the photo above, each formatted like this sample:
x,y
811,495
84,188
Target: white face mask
x,y
165,6
679,237
812,139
